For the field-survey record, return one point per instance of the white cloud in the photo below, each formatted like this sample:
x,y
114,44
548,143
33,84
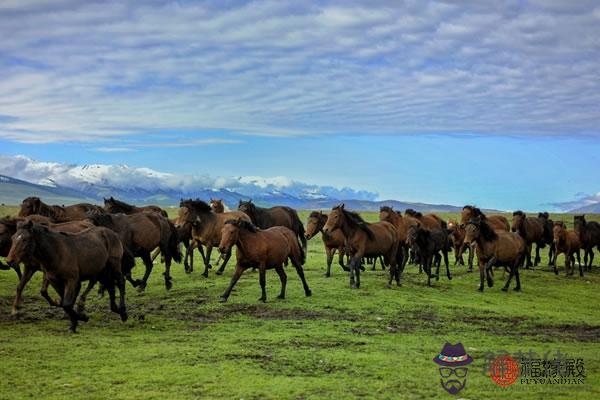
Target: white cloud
x,y
128,178
83,71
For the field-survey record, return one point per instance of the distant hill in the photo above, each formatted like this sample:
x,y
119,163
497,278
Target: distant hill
x,y
13,191
590,208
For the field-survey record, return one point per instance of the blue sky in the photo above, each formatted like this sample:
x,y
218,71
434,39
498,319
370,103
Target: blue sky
x,y
493,103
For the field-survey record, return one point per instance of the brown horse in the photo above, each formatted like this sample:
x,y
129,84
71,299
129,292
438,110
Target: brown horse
x,y
141,233
457,235
264,249
206,227
495,248
532,230
497,222
334,241
402,224
69,259
33,205
31,268
567,242
589,234
217,205
114,206
429,221
275,216
366,240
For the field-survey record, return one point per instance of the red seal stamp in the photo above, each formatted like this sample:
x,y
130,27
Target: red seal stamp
x,y
504,370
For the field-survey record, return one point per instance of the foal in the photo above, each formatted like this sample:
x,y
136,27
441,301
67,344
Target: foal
x,y
265,249
429,243
566,241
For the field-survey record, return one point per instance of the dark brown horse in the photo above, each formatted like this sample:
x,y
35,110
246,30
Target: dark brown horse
x,y
532,230
275,216
457,235
428,243
262,249
567,242
495,248
429,221
69,259
366,240
141,233
33,205
589,234
206,227
114,206
333,241
402,224
217,205
548,224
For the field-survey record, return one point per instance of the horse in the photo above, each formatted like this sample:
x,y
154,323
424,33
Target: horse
x,y
33,205
589,234
333,241
429,243
265,249
206,227
457,235
401,223
366,240
141,233
567,242
275,216
114,206
217,205
495,248
8,226
532,230
68,259
497,222
548,236
429,221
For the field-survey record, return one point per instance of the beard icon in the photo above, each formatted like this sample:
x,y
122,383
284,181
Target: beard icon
x,y
453,386
452,362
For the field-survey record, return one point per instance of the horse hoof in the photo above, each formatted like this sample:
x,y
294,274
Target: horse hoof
x,y
168,285
209,266
308,293
219,272
124,316
449,278
141,288
505,289
281,297
205,274
517,289
480,289
327,275
263,299
72,330
84,318
222,299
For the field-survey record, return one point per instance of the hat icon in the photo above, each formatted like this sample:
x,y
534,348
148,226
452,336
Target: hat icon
x,y
453,356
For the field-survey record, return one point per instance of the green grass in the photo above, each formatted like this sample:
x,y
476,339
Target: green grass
x,y
340,343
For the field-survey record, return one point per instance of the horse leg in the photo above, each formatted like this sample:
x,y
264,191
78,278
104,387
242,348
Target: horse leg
x,y
167,273
537,258
529,248
68,301
488,268
471,256
207,265
550,253
427,266
155,254
481,275
283,278
579,262
341,255
236,276
28,272
122,307
591,259
447,266
554,261
45,295
225,260
438,261
262,278
300,272
329,253
83,297
148,264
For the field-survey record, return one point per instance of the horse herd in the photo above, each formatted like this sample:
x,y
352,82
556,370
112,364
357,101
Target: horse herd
x,y
86,242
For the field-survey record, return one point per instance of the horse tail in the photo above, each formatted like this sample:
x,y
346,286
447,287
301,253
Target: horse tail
x,y
128,260
298,228
444,224
302,252
170,244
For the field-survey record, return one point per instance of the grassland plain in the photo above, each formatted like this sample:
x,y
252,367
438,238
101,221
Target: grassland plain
x,y
339,343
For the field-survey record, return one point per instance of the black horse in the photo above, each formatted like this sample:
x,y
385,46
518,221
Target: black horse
x,y
589,234
548,237
428,243
265,218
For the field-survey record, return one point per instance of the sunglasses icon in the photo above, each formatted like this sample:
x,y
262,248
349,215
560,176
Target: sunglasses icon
x,y
448,372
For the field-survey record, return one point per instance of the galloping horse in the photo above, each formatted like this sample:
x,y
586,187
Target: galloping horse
x,y
429,243
495,248
275,216
496,222
114,206
429,221
333,241
69,259
532,230
548,236
206,227
402,224
457,234
33,205
589,234
366,240
566,241
141,233
262,249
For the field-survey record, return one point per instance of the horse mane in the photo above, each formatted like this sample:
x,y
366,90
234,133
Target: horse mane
x,y
386,209
519,213
486,230
356,220
196,205
240,223
413,213
121,204
98,219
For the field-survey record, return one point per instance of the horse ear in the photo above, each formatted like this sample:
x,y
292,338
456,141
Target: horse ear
x,y
342,206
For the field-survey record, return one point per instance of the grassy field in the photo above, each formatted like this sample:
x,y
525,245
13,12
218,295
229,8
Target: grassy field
x,y
340,343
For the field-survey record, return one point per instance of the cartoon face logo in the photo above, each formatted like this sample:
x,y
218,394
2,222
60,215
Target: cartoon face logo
x,y
452,362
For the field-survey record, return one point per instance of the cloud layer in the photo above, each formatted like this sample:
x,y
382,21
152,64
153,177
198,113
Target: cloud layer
x,y
102,71
125,178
